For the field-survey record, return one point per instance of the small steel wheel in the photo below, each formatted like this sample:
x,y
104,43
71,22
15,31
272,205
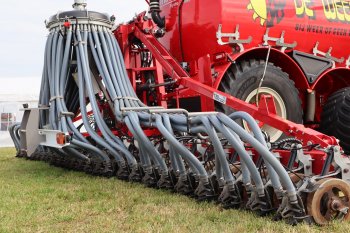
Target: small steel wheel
x,y
331,201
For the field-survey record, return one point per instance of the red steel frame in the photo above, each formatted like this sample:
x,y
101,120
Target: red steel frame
x,y
196,84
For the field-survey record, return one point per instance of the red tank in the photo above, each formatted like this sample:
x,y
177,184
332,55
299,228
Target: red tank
x,y
308,43
192,25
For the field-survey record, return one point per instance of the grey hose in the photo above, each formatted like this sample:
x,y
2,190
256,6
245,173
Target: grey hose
x,y
102,126
260,137
84,114
176,159
107,79
90,148
270,158
219,152
243,154
147,143
145,159
181,149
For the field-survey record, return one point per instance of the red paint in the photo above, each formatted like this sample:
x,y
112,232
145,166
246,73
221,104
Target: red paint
x,y
197,21
191,37
192,26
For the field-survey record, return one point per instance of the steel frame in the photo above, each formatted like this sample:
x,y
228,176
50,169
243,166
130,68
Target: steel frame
x,y
197,84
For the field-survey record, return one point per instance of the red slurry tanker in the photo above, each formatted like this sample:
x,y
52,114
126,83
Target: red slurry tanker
x,y
243,102
309,55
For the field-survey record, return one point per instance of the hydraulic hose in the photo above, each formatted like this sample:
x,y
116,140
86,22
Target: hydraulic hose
x,y
155,13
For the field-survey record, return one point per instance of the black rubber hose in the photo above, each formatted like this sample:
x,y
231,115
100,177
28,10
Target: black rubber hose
x,y
155,13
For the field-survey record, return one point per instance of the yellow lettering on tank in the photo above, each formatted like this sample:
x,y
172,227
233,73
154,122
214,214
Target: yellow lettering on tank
x,y
340,10
309,12
346,7
303,7
329,10
299,7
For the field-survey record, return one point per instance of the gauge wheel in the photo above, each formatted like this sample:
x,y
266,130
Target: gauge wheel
x,y
331,201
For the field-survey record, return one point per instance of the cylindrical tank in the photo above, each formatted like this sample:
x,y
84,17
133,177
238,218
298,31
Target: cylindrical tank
x,y
192,25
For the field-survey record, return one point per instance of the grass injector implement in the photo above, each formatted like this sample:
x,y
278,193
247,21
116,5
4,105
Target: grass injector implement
x,y
248,119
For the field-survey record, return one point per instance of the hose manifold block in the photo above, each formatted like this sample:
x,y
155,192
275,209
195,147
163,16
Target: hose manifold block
x,y
82,17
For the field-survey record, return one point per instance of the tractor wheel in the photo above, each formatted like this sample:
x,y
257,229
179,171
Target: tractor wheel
x,y
242,81
335,118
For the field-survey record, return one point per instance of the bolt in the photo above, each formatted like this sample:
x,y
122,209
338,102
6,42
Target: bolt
x,y
335,205
308,167
346,170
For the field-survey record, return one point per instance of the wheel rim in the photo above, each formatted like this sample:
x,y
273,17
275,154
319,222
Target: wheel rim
x,y
331,201
281,111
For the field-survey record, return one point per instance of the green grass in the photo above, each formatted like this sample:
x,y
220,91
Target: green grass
x,y
36,197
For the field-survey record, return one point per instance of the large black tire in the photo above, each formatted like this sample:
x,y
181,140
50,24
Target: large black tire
x,y
335,117
243,78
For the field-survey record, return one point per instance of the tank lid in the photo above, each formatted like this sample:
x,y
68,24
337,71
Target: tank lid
x,y
80,17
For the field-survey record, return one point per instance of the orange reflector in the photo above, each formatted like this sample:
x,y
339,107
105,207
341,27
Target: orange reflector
x,y
61,138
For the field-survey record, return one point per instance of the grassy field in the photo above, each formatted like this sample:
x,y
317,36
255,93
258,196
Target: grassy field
x,y
35,197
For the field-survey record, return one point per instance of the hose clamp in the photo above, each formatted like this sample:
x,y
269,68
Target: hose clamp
x,y
67,114
56,97
151,117
80,42
124,98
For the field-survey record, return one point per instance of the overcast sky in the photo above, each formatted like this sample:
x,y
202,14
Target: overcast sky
x,y
23,35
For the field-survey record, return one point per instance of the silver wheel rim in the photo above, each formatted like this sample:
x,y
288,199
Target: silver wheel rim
x,y
281,111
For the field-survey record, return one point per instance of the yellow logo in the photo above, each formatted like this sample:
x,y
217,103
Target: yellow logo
x,y
260,10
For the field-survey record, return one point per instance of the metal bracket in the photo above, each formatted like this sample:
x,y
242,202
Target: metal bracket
x,y
306,160
277,155
139,109
31,136
308,186
233,38
327,54
67,114
279,41
49,138
343,162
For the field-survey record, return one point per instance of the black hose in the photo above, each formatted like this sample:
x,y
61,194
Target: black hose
x,y
155,13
